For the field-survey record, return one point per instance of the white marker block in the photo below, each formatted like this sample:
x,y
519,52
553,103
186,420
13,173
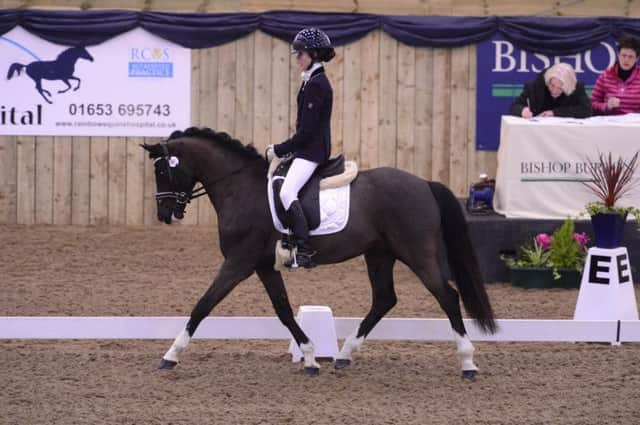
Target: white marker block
x,y
606,289
317,322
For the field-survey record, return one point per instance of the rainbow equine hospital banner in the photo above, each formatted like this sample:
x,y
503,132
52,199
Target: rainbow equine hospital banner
x,y
503,69
135,84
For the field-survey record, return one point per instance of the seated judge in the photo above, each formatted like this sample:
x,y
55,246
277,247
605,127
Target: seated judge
x,y
617,90
555,92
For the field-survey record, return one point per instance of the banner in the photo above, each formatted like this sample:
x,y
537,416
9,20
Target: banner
x,y
503,69
135,84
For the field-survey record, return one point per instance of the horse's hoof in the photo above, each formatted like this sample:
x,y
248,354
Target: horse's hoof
x,y
342,363
311,371
469,375
167,364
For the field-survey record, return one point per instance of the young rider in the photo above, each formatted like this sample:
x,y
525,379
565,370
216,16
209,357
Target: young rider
x,y
311,143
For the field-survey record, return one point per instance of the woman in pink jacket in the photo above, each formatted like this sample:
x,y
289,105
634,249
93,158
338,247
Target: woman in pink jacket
x,y
617,90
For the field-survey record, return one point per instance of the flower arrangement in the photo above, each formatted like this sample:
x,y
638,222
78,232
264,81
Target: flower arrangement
x,y
564,249
610,181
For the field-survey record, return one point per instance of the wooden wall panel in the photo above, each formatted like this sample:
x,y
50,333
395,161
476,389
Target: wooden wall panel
x,y
387,101
243,110
192,212
406,108
263,95
423,112
206,108
440,128
294,86
280,91
80,180
44,180
8,179
352,90
472,157
99,181
117,179
63,165
150,213
134,190
459,118
226,87
335,73
369,128
26,179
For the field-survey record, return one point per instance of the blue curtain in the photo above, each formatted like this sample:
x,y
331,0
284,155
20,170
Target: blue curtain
x,y
342,28
439,31
200,30
74,28
555,36
550,35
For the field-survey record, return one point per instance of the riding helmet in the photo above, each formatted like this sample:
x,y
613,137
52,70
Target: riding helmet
x,y
314,41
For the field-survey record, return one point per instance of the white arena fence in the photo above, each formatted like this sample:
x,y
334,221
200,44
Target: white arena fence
x,y
408,329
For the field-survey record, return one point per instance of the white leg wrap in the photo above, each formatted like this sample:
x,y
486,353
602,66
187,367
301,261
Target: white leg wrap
x,y
178,346
309,355
351,345
465,351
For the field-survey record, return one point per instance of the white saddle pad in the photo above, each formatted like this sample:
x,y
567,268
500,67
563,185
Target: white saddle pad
x,y
334,209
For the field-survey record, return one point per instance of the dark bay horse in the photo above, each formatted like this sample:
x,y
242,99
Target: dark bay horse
x,y
60,69
394,216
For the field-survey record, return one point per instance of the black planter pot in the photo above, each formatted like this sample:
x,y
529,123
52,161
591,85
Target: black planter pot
x,y
542,278
608,229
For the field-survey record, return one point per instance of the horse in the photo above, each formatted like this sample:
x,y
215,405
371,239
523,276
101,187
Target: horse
x,y
394,215
60,69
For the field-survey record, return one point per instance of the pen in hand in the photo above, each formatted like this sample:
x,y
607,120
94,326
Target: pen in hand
x,y
530,112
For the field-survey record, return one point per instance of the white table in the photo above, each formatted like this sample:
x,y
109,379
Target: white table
x,y
541,163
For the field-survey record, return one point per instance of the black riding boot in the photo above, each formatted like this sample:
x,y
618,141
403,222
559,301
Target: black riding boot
x,y
298,225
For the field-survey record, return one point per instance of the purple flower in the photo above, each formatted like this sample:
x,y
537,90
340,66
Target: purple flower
x,y
581,239
544,241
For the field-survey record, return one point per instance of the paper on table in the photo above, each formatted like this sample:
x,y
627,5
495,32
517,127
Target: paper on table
x,y
626,118
557,120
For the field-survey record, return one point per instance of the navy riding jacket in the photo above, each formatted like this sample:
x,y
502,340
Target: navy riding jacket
x,y
312,140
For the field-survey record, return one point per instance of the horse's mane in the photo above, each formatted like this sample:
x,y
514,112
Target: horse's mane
x,y
248,151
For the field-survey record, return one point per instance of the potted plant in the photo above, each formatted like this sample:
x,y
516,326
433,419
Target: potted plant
x,y
610,181
549,261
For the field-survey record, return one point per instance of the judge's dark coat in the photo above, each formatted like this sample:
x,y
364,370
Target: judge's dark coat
x,y
576,105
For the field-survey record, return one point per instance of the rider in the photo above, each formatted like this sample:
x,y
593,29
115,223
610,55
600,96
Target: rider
x,y
311,143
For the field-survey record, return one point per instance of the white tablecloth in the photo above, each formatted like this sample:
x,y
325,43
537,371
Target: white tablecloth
x,y
542,162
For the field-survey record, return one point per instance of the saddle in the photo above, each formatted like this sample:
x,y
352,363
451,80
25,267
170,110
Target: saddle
x,y
309,195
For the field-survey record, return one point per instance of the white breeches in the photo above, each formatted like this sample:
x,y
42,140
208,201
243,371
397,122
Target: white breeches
x,y
299,173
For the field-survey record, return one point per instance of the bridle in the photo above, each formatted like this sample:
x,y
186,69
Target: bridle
x,y
183,198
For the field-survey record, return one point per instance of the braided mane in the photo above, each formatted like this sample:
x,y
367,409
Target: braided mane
x,y
221,138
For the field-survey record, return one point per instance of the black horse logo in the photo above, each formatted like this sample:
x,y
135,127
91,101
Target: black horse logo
x,y
60,69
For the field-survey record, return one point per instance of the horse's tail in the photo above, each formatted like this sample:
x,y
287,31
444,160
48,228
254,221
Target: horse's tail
x,y
462,258
14,68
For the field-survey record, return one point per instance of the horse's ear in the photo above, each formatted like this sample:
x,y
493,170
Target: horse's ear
x,y
154,150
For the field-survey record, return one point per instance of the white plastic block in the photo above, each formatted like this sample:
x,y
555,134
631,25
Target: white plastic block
x,y
317,322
